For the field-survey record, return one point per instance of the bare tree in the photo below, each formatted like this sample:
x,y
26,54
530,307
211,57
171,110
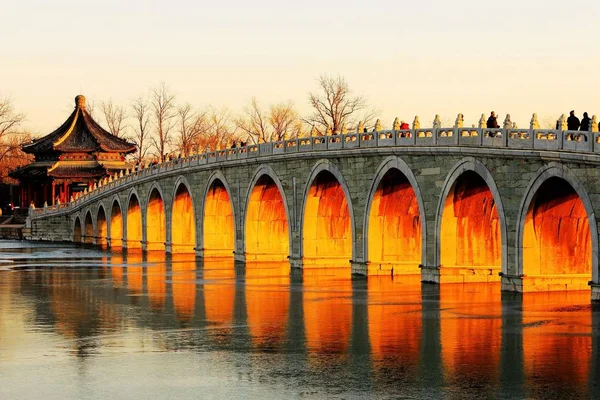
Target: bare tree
x,y
254,122
190,126
218,132
12,136
141,130
115,117
278,123
162,104
335,106
283,119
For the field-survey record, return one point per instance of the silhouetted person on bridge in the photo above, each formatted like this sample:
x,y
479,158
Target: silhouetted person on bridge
x,y
573,122
585,123
492,122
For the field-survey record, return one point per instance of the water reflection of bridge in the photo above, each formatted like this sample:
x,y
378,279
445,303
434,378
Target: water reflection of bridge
x,y
381,331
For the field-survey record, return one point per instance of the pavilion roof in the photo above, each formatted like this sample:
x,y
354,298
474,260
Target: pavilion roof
x,y
77,169
80,133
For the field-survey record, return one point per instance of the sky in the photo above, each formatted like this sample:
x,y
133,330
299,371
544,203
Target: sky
x,y
406,58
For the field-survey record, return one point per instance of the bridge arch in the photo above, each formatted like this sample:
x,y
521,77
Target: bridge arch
x,y
556,202
398,213
268,234
460,236
327,224
88,228
77,238
217,232
134,221
156,220
183,218
116,226
101,225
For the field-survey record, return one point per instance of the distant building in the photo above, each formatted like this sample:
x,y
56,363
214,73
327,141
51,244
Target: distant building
x,y
70,159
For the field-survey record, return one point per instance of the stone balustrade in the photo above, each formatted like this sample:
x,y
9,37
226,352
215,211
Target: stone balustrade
x,y
437,136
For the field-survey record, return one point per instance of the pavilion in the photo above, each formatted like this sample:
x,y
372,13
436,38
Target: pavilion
x,y
70,159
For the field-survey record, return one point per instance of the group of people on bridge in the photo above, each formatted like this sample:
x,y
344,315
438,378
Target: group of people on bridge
x,y
573,123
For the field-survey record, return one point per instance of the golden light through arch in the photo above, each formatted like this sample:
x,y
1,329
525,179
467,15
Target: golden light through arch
x,y
327,236
556,239
134,223
183,221
470,238
394,235
156,230
116,226
267,237
218,225
101,228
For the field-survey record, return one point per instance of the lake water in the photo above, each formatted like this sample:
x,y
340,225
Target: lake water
x,y
87,324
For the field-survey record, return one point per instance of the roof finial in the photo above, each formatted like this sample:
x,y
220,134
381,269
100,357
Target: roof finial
x,y
80,101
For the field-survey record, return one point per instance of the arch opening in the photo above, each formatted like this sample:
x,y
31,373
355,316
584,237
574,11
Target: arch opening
x,y
77,231
88,230
218,228
183,222
266,223
557,243
116,226
394,236
134,223
327,236
156,233
101,228
470,238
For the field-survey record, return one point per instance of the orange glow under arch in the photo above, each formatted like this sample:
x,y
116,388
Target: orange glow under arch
x,y
116,226
219,231
88,229
395,225
327,237
134,224
183,235
266,223
557,236
101,228
470,231
156,232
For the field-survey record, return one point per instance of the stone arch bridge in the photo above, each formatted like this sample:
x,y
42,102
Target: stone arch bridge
x,y
454,205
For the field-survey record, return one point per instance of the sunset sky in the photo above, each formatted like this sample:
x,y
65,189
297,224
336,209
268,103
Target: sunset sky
x,y
407,58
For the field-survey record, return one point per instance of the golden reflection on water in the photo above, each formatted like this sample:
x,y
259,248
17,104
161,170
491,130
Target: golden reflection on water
x,y
327,309
183,286
394,319
471,330
557,344
267,302
219,290
403,328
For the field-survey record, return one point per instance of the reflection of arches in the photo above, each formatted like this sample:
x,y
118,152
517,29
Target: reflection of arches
x,y
557,233
101,227
267,228
116,225
88,230
470,225
183,220
219,224
134,223
77,231
394,219
156,232
327,220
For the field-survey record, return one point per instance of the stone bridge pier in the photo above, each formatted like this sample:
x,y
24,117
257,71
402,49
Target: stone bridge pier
x,y
454,209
